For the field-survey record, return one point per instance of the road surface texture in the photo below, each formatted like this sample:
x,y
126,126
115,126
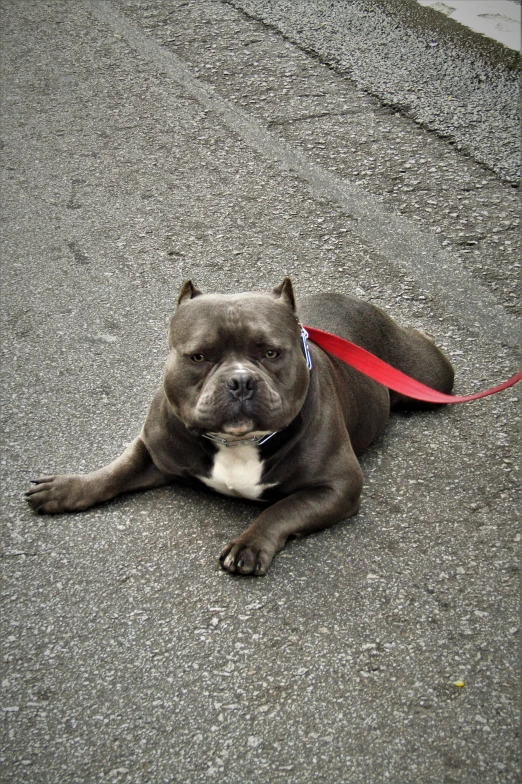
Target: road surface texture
x,y
144,143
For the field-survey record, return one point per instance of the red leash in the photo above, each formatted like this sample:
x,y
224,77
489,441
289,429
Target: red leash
x,y
385,374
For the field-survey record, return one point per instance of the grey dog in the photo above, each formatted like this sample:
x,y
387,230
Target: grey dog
x,y
240,411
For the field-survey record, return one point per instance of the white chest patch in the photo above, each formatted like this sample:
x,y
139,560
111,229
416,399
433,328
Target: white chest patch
x,y
237,471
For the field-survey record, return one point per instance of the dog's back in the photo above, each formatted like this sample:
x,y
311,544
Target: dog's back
x,y
409,350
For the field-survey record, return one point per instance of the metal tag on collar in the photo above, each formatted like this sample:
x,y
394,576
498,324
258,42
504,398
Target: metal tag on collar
x,y
254,441
304,338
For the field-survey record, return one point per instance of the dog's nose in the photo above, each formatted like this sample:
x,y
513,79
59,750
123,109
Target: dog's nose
x,y
241,385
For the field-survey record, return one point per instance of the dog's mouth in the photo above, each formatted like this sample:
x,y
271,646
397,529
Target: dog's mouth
x,y
239,429
220,413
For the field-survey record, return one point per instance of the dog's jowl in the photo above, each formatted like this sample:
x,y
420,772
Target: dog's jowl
x,y
241,412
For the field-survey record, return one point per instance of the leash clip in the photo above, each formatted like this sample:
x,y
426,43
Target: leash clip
x,y
306,351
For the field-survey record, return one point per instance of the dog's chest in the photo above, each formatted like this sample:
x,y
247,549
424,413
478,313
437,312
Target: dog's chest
x,y
237,471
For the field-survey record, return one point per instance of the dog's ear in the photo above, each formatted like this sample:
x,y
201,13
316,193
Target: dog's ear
x,y
285,291
188,291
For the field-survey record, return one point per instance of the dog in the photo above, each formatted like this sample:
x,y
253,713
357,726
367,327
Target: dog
x,y
242,410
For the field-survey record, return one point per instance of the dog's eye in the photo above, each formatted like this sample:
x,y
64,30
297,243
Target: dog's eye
x,y
199,358
271,353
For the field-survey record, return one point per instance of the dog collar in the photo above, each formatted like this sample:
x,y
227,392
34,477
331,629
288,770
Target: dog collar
x,y
254,441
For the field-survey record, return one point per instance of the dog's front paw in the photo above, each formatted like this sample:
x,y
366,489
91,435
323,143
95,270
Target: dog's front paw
x,y
250,554
56,494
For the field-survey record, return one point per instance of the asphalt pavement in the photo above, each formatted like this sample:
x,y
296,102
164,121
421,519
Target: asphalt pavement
x,y
144,143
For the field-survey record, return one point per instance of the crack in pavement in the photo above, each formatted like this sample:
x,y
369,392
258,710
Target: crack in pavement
x,y
395,238
304,117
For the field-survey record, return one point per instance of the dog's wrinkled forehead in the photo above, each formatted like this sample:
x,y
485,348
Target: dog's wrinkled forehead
x,y
233,320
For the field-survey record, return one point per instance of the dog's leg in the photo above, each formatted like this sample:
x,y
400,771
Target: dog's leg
x,y
303,512
133,470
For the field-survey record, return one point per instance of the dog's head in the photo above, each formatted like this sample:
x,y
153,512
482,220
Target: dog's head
x,y
236,363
